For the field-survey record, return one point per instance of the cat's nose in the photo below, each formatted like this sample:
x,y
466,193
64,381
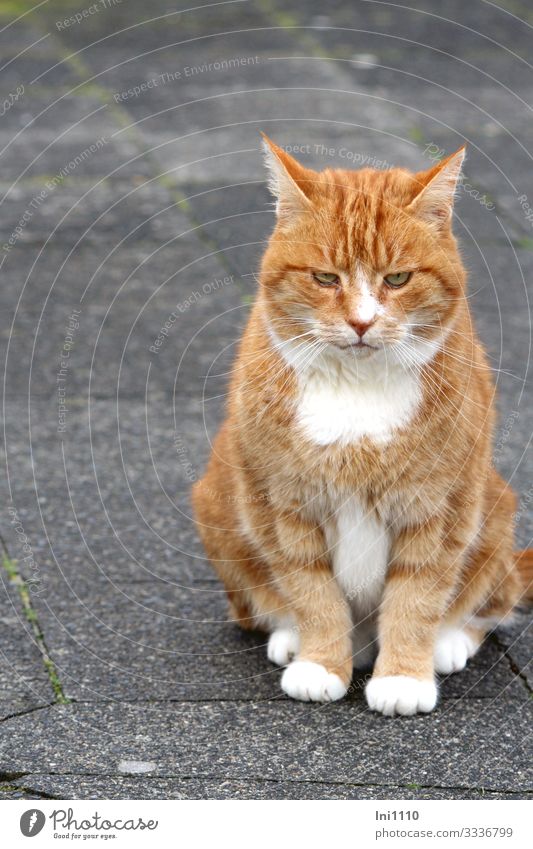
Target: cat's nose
x,y
359,326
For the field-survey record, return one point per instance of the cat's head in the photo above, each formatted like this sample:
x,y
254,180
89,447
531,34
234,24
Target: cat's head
x,y
362,263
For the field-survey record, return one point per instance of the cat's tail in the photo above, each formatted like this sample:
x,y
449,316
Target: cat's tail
x,y
524,564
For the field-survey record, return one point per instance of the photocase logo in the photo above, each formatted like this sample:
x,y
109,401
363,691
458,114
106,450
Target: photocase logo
x,y
32,822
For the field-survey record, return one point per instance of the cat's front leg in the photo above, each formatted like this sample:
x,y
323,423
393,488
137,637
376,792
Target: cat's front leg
x,y
418,586
322,668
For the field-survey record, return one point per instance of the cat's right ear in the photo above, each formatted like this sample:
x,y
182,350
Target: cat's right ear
x,y
288,181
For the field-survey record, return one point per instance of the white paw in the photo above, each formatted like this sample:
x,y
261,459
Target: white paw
x,y
311,682
283,645
452,650
393,694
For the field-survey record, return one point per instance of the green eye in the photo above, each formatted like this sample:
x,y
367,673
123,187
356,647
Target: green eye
x,y
397,280
325,278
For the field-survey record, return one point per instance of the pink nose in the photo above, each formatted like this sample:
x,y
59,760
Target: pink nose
x,y
360,327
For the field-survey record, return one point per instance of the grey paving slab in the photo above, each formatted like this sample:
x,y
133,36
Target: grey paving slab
x,y
117,787
282,740
200,123
10,792
422,76
32,147
95,485
140,28
243,227
138,302
17,35
427,40
185,67
224,139
514,639
131,643
87,212
24,684
23,67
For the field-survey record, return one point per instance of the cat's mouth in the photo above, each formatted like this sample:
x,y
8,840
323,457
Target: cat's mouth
x,y
358,345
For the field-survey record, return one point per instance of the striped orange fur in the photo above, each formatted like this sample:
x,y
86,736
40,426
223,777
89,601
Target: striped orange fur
x,y
350,505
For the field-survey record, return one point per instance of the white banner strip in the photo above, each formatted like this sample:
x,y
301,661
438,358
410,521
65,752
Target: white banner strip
x,y
268,824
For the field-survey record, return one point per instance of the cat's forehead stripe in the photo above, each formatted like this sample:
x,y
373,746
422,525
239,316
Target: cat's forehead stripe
x,y
361,240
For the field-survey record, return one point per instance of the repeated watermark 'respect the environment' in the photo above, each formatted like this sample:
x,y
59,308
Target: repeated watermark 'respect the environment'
x,y
184,73
50,185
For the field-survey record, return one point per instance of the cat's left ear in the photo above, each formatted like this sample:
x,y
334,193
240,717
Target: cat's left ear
x,y
434,202
289,182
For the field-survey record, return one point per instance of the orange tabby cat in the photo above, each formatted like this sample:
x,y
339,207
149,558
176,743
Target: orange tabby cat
x,y
350,503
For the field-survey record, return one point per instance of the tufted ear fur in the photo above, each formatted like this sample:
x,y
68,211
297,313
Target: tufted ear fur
x,y
289,182
434,202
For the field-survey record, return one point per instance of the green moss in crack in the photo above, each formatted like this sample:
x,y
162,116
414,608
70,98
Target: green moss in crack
x,y
526,243
55,682
10,568
31,617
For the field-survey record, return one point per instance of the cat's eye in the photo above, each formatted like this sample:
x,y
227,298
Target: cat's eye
x,y
399,279
325,278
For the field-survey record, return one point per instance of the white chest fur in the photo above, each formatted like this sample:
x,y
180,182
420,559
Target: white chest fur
x,y
359,548
343,403
341,399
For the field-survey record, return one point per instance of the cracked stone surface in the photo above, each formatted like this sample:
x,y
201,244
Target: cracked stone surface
x,y
24,685
133,206
272,740
115,787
